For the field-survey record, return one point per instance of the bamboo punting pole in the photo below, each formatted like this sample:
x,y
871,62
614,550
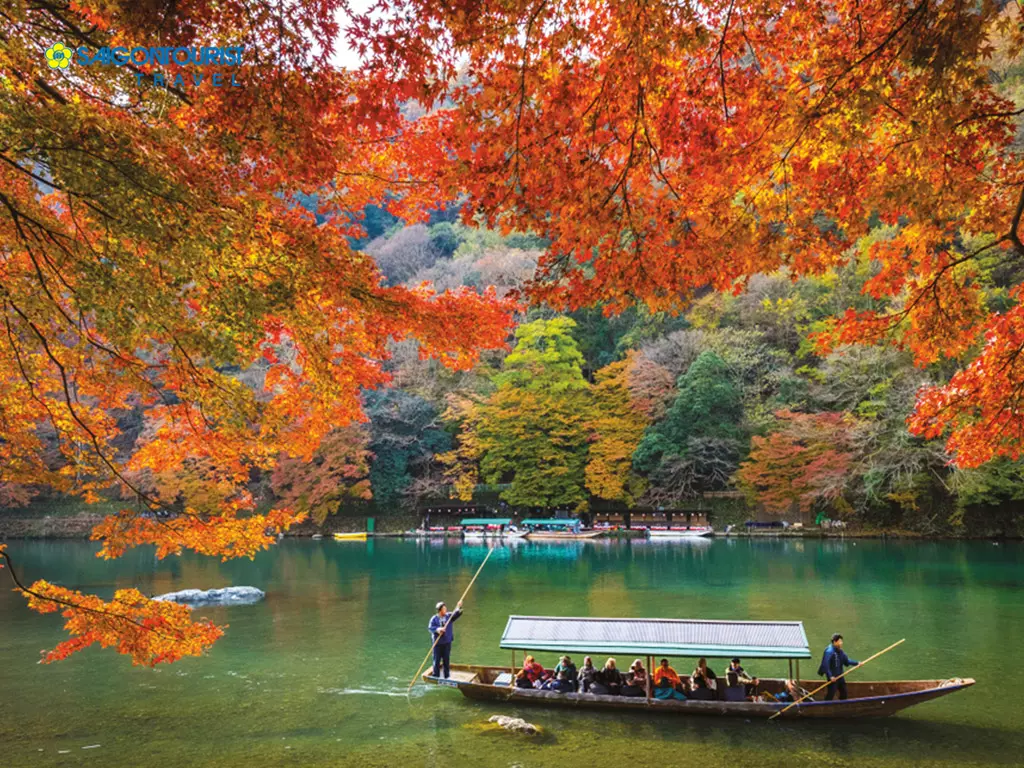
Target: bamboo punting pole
x,y
441,634
837,677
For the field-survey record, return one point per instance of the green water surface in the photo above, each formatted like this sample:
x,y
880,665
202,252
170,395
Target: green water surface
x,y
316,674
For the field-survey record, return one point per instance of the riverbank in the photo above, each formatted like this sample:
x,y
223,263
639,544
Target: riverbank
x,y
79,526
72,519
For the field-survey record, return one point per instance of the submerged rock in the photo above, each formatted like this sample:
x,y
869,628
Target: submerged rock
x,y
515,724
226,596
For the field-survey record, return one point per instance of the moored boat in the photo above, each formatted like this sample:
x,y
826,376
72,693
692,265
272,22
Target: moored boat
x,y
489,528
657,638
556,528
679,532
350,536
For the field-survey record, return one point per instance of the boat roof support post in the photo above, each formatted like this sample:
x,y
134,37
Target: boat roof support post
x,y
650,671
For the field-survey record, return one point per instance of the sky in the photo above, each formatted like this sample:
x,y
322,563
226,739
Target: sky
x,y
343,56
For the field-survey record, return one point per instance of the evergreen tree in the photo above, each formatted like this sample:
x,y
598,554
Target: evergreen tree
x,y
701,440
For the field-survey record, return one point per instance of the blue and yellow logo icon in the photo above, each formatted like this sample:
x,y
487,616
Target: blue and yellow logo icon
x,y
58,56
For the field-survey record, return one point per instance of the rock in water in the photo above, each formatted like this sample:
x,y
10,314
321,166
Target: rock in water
x,y
226,596
516,724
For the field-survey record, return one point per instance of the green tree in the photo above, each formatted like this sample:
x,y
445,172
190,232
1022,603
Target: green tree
x,y
707,404
531,433
700,441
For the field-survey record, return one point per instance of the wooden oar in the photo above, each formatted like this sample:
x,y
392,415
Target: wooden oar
x,y
828,683
441,634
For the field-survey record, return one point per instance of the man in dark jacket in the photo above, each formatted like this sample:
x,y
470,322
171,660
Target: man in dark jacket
x,y
832,662
441,630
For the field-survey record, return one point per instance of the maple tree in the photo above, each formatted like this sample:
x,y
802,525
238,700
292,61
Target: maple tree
x,y
155,244
663,148
805,461
617,426
153,249
338,472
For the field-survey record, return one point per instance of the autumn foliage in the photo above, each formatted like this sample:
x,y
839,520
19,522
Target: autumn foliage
x,y
153,252
149,631
155,256
617,425
664,148
805,462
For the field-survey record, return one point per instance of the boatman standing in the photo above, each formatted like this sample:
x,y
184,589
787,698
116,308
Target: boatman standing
x,y
441,630
832,662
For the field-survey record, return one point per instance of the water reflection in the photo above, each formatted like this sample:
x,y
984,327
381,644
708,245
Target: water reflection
x,y
329,653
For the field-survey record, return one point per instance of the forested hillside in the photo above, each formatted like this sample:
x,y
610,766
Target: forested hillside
x,y
655,409
590,409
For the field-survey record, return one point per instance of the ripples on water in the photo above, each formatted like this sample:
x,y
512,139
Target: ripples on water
x,y
316,675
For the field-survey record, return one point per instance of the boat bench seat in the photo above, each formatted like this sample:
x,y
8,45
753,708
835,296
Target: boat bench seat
x,y
504,679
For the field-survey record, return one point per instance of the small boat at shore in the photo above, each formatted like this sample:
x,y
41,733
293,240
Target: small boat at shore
x,y
490,528
679,532
657,638
350,536
557,528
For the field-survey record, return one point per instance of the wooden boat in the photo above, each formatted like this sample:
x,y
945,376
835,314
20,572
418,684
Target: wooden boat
x,y
489,528
562,535
350,536
657,638
676,532
671,523
557,528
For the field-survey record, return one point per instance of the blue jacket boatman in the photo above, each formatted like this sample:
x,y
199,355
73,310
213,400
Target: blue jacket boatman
x,y
440,628
832,662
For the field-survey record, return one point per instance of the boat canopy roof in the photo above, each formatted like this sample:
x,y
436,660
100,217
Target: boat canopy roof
x,y
566,522
486,521
658,637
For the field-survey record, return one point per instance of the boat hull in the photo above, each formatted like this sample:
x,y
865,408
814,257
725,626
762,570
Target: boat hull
x,y
869,699
557,536
350,536
475,535
692,533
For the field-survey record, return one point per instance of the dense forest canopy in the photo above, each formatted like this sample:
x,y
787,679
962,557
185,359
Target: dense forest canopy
x,y
740,240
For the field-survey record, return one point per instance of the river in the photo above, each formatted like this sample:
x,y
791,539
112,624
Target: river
x,y
316,674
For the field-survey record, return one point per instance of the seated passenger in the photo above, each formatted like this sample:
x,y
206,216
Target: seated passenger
x,y
563,680
609,680
636,680
587,674
749,683
532,675
734,690
793,692
667,684
704,678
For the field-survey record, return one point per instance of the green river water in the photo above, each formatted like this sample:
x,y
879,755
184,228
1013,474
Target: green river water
x,y
316,674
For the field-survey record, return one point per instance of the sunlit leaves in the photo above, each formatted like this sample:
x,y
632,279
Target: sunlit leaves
x,y
667,148
617,425
154,262
150,632
531,433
